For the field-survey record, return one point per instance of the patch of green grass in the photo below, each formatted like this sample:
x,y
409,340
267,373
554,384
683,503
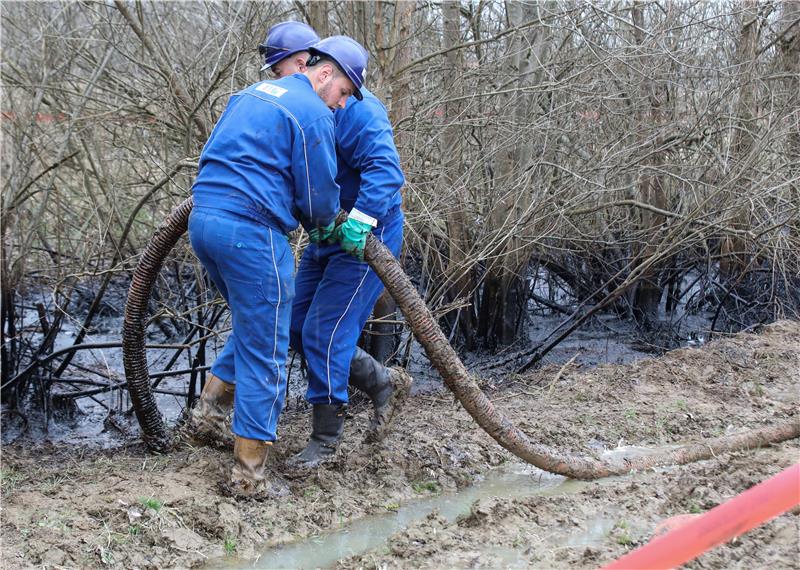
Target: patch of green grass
x,y
230,545
154,464
10,478
519,540
681,405
622,536
53,484
624,539
134,530
151,503
426,486
695,509
660,427
119,538
52,520
106,557
631,414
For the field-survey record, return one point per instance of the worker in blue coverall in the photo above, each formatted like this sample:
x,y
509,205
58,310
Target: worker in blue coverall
x,y
269,163
335,289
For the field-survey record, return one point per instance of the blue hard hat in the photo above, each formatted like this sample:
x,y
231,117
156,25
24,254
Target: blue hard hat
x,y
349,55
284,39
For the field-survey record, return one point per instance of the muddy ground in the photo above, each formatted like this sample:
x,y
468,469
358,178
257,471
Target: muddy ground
x,y
66,506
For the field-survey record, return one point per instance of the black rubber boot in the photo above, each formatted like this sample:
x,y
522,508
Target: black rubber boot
x,y
327,426
387,388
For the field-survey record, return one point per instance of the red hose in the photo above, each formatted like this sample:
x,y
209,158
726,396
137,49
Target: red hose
x,y
722,523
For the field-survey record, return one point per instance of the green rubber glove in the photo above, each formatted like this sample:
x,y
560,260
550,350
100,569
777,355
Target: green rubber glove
x,y
352,235
319,234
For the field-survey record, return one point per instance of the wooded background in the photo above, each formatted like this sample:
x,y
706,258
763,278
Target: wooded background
x,y
637,157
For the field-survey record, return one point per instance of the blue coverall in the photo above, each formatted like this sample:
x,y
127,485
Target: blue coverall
x,y
270,159
335,292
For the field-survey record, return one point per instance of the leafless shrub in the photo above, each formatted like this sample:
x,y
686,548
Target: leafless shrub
x,y
633,156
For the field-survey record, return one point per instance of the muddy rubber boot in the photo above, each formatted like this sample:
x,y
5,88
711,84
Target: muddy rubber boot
x,y
327,426
208,423
388,389
248,479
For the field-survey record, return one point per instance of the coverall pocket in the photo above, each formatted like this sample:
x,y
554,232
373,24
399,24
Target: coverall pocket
x,y
258,261
277,284
278,289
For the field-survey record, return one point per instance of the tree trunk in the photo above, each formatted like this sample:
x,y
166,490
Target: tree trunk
x,y
733,249
8,346
317,12
651,187
400,85
790,63
459,272
503,301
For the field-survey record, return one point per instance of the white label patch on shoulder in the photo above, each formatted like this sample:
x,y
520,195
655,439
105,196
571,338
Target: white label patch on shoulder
x,y
270,89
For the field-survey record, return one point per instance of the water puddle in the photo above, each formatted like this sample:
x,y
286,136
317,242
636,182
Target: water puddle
x,y
594,535
637,451
323,551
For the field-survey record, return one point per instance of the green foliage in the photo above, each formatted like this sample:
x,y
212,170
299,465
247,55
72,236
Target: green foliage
x,y
9,479
621,534
151,503
106,556
230,545
53,484
426,487
624,539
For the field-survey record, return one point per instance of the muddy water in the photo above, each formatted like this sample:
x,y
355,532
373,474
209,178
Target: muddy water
x,y
103,420
88,421
514,481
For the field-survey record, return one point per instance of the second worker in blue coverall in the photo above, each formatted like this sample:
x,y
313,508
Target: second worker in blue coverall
x,y
269,161
335,289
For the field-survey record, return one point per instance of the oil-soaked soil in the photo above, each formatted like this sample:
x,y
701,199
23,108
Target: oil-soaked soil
x,y
66,506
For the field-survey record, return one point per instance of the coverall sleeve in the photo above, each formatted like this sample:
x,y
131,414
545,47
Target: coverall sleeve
x,y
366,143
316,193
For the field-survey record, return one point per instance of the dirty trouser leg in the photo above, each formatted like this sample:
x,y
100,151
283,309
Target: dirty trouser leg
x,y
342,302
309,273
255,266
